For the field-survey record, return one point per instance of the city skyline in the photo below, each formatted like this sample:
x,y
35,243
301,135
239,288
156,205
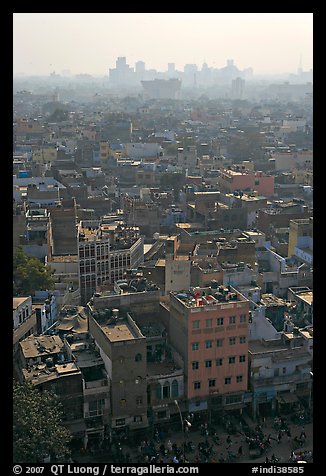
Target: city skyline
x,y
91,42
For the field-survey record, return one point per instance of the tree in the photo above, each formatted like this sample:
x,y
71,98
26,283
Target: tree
x,y
29,274
37,428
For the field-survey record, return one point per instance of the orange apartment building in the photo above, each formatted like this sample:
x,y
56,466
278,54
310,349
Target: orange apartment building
x,y
209,328
232,180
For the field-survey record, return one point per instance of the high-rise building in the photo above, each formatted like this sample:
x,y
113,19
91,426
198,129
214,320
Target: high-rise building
x,y
122,74
238,86
140,67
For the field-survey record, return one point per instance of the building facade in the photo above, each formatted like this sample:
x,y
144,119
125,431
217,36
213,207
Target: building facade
x,y
105,253
209,328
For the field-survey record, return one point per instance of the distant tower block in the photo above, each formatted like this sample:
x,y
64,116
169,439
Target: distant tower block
x,y
171,68
238,86
162,88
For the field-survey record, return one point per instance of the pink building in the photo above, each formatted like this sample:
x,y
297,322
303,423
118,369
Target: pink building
x,y
231,180
209,328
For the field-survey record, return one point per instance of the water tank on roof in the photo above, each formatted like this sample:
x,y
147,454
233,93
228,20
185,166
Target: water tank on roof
x,y
49,362
115,313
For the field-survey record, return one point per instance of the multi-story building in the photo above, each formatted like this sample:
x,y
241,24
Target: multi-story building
x,y
43,362
279,373
122,347
162,88
232,180
105,253
24,320
301,239
209,329
62,230
96,390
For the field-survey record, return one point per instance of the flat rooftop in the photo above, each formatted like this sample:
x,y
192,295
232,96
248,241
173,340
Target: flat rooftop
x,y
258,346
162,368
119,332
34,346
41,373
307,334
17,301
306,297
208,296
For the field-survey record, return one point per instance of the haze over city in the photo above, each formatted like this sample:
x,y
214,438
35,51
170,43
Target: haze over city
x,y
270,43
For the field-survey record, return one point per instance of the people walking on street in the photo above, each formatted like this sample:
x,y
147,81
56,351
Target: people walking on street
x,y
302,434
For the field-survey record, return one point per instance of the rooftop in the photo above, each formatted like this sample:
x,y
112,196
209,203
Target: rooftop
x,y
35,346
119,332
18,301
162,368
72,319
272,300
307,297
41,373
208,296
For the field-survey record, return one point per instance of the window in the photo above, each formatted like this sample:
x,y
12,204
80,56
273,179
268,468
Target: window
x,y
242,358
123,402
239,378
231,360
166,390
232,320
209,322
174,388
284,370
138,418
96,408
220,321
195,346
196,385
211,382
208,344
232,340
139,401
195,324
208,363
158,391
243,318
195,365
219,342
138,358
219,362
120,421
242,340
227,380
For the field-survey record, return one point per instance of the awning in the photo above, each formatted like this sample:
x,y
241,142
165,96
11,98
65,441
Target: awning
x,y
287,398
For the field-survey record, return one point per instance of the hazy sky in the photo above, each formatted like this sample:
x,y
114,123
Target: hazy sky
x,y
91,42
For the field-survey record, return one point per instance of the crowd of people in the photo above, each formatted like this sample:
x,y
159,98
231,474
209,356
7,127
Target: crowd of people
x,y
213,444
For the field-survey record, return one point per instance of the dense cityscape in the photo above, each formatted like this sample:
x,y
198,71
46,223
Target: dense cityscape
x,y
163,266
